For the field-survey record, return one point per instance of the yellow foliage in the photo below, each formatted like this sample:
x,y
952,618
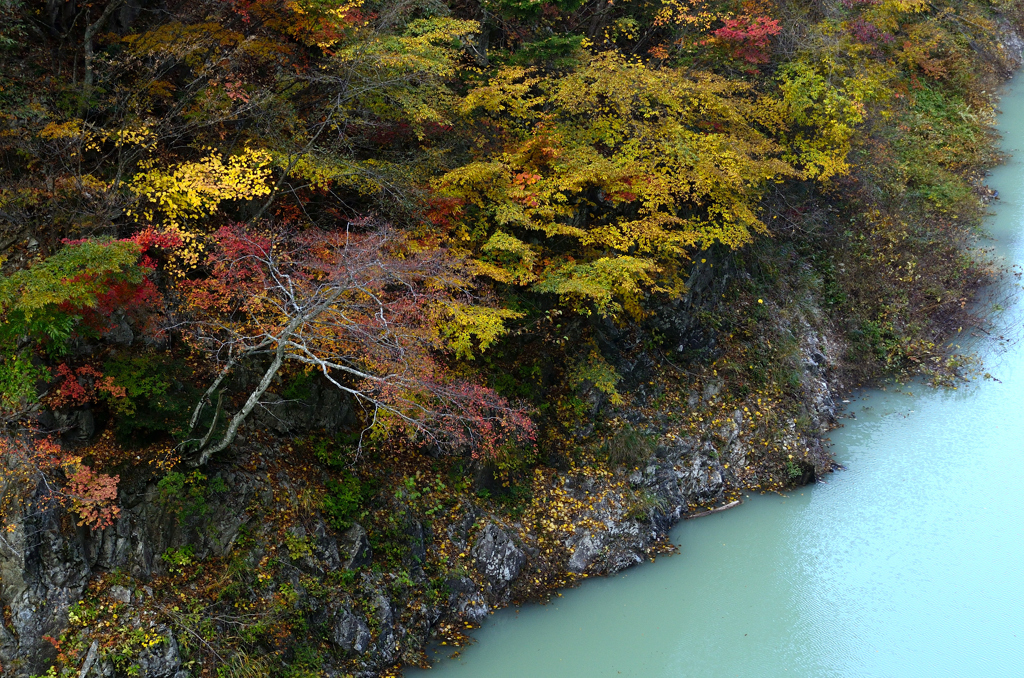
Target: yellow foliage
x,y
467,329
193,190
72,129
507,259
593,368
380,68
618,170
823,113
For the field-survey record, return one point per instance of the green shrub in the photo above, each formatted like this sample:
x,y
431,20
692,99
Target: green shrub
x,y
300,387
186,495
179,560
793,470
240,664
556,51
18,379
298,547
342,500
158,395
337,452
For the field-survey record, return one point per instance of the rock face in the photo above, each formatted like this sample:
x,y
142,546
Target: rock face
x,y
350,632
47,563
45,567
160,661
499,560
678,321
43,574
320,407
1010,47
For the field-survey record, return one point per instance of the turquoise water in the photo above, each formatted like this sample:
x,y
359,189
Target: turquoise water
x,y
910,563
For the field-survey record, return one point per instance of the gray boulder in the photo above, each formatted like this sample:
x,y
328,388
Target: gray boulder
x,y
350,632
498,559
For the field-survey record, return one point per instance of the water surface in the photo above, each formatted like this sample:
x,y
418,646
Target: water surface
x,y
910,563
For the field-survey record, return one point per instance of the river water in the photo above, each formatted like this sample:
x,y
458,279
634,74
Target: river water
x,y
910,563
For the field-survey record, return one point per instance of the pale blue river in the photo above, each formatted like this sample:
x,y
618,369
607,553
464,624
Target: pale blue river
x,y
909,563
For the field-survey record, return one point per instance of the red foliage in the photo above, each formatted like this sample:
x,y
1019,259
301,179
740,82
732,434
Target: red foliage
x,y
866,32
65,655
149,241
138,300
54,477
362,307
749,37
94,497
236,270
83,385
444,212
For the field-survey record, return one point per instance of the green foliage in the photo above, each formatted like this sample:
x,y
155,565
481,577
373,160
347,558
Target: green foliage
x,y
523,382
12,29
44,306
186,495
159,394
300,387
180,560
514,499
336,453
342,500
298,547
241,664
942,136
45,301
306,664
552,52
19,377
793,470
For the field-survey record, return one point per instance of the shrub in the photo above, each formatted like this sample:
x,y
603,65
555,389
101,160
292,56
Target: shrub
x,y
628,447
336,453
186,495
643,503
158,394
342,500
179,560
298,547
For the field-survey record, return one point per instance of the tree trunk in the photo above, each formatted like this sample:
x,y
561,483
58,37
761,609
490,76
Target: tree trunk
x,y
90,35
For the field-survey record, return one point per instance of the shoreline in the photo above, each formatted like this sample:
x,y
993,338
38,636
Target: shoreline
x,y
437,544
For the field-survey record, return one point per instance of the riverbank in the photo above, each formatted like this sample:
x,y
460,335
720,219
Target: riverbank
x,y
865,575
290,554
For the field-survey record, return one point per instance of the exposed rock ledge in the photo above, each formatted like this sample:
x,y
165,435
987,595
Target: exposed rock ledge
x,y
45,567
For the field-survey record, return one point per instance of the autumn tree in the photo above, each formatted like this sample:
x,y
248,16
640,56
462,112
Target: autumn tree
x,y
38,475
363,309
72,295
608,178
